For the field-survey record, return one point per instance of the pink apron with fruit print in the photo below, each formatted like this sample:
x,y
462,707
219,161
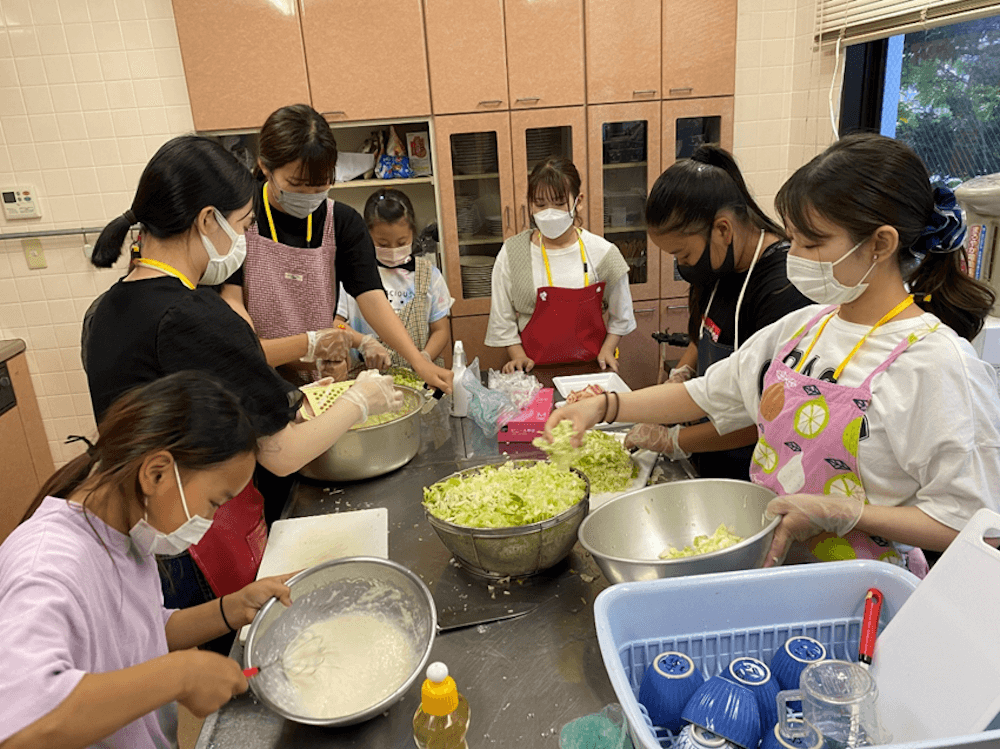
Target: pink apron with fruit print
x,y
809,432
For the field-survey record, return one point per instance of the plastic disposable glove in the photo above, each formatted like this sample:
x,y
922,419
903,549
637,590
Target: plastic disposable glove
x,y
333,345
808,515
426,356
373,394
376,355
335,370
683,373
658,438
522,363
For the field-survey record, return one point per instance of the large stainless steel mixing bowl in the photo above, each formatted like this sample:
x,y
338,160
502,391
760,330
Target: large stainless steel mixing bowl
x,y
354,585
372,451
627,535
516,552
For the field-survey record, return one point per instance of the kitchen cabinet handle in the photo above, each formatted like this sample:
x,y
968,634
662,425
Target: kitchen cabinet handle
x,y
646,311
678,306
682,90
336,111
491,103
526,99
506,212
644,92
524,217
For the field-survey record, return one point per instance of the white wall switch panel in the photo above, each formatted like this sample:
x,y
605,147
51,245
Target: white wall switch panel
x,y
34,254
20,202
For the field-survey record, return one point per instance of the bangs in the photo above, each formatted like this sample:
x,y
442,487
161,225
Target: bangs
x,y
549,185
318,165
795,206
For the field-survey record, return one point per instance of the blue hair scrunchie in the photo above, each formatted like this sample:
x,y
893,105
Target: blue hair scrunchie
x,y
946,230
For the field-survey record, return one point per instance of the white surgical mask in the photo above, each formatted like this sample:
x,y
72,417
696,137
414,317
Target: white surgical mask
x,y
554,222
393,256
222,265
299,204
151,541
815,279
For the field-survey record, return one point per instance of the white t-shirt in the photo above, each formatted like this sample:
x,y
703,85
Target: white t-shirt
x,y
398,285
505,324
934,420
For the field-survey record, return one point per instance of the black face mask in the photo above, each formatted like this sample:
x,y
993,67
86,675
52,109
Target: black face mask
x,y
702,274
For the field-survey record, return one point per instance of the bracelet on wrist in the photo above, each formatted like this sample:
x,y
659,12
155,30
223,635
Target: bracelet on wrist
x,y
223,612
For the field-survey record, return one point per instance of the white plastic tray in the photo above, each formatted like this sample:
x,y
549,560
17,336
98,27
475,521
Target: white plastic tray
x,y
610,381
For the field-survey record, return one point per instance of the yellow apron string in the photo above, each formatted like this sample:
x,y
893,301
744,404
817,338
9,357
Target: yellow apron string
x,y
270,221
545,257
885,318
168,269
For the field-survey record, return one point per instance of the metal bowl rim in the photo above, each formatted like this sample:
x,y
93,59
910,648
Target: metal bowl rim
x,y
390,699
401,419
513,530
748,541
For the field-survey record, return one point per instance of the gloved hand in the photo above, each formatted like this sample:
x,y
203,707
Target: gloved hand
x,y
808,515
427,356
334,370
373,394
683,373
522,363
658,438
376,355
333,345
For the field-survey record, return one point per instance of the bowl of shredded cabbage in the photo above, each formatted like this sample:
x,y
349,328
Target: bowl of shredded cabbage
x,y
680,528
513,519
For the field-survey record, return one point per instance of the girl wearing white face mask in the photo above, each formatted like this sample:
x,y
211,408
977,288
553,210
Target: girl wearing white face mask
x,y
193,204
301,249
91,655
551,285
416,289
879,426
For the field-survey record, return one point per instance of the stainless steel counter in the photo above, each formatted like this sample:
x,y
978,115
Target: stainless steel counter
x,y
524,678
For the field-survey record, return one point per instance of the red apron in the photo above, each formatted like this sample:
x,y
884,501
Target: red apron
x,y
229,554
567,324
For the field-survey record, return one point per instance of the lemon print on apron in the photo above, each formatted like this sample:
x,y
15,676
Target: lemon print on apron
x,y
765,456
845,485
852,436
812,417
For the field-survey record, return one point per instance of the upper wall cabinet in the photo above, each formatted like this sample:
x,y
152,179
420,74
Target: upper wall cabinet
x,y
240,63
623,50
467,54
699,48
356,75
544,53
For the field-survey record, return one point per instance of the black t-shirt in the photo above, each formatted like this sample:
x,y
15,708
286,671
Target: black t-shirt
x,y
769,297
140,331
354,262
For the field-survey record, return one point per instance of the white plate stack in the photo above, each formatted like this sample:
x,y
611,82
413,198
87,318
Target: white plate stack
x,y
468,216
477,271
541,143
474,153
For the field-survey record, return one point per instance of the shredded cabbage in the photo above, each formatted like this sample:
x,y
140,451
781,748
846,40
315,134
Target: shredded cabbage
x,y
601,458
723,538
504,496
410,403
407,377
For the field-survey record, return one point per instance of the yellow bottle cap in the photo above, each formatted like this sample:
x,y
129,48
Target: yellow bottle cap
x,y
439,693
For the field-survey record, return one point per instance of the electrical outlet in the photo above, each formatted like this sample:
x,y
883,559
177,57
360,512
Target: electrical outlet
x,y
34,254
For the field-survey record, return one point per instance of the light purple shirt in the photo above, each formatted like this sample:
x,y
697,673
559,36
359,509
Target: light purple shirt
x,y
69,606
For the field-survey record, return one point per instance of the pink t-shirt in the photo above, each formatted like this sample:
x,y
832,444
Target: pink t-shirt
x,y
70,606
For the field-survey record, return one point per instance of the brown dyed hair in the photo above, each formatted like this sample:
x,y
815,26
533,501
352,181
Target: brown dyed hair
x,y
299,132
557,178
865,181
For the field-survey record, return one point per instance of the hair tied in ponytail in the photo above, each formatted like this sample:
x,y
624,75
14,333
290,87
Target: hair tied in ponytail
x,y
130,217
946,230
91,447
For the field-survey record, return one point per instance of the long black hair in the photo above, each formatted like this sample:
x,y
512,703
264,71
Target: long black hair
x,y
299,132
865,181
387,206
187,174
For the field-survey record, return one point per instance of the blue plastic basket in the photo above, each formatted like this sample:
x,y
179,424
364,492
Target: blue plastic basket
x,y
715,618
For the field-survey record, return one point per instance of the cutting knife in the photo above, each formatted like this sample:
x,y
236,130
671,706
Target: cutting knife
x,y
450,619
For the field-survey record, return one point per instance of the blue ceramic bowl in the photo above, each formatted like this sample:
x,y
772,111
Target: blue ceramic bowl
x,y
669,682
696,737
775,739
792,657
756,676
726,709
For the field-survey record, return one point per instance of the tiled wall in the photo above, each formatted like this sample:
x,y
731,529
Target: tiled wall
x,y
89,89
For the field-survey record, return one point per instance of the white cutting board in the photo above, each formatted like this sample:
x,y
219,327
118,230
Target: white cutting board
x,y
937,663
299,543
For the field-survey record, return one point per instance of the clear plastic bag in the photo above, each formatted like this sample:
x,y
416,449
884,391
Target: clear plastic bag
x,y
607,729
488,408
519,386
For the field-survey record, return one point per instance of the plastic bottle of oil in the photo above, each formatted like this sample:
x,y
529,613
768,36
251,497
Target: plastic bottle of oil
x,y
442,719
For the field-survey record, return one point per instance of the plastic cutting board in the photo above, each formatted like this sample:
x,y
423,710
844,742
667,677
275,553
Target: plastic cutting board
x,y
937,663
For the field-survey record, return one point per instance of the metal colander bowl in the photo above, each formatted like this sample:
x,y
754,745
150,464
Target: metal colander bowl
x,y
355,585
518,551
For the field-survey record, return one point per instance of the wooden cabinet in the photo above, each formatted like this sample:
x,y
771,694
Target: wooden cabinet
x,y
241,62
355,73
467,55
638,360
544,53
699,48
623,50
673,319
471,331
624,163
689,124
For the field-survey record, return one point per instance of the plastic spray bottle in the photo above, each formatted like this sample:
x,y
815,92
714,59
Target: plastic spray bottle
x,y
459,395
442,719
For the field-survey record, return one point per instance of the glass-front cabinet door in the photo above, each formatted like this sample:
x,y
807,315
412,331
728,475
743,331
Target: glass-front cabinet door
x,y
476,208
625,143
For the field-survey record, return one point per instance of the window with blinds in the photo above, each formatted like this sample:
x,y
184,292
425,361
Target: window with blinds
x,y
854,21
